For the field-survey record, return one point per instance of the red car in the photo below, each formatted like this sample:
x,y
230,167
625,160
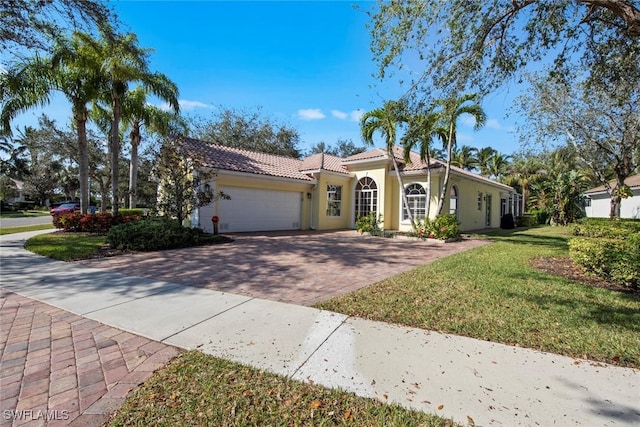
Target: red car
x,y
65,208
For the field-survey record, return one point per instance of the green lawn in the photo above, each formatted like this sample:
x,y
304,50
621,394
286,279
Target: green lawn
x,y
491,293
24,229
22,214
66,246
199,390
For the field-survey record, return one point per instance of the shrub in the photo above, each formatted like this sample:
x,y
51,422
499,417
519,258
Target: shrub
x,y
527,220
615,260
369,223
443,227
90,223
605,227
131,212
157,234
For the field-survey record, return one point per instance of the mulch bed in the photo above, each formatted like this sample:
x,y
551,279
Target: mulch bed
x,y
107,251
565,267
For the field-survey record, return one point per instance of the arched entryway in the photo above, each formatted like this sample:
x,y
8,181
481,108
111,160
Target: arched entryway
x,y
366,197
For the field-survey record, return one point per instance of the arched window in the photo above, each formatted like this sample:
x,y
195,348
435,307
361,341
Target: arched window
x,y
453,200
366,197
417,200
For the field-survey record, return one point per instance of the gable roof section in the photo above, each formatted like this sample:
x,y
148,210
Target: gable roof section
x,y
633,182
223,157
321,161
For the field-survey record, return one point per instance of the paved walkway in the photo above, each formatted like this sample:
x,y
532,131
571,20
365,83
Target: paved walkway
x,y
449,375
62,367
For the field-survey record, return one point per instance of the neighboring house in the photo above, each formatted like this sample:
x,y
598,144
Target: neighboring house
x,y
598,201
325,192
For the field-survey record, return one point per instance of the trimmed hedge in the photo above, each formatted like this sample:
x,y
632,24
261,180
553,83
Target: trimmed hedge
x,y
158,234
605,228
527,220
90,223
131,212
614,259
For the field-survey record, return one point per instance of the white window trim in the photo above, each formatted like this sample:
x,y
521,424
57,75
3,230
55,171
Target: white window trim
x,y
337,189
402,210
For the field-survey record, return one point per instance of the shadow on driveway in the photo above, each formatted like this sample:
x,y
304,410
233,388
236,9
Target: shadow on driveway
x,y
302,268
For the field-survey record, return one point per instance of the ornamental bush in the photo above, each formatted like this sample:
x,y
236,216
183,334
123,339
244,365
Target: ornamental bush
x,y
368,223
157,234
616,260
443,227
605,228
90,223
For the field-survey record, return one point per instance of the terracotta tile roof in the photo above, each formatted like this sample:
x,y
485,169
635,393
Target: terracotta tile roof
x,y
632,182
238,160
376,153
234,159
323,161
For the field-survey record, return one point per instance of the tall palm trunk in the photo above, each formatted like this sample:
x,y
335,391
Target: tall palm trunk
x,y
447,173
427,211
405,201
133,166
80,116
115,153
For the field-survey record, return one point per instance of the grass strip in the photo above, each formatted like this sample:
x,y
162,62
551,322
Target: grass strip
x,y
200,390
66,246
24,229
492,293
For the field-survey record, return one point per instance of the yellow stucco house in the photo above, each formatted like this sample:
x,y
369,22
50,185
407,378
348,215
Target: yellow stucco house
x,y
325,192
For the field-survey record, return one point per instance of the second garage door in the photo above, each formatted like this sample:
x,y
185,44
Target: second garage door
x,y
259,210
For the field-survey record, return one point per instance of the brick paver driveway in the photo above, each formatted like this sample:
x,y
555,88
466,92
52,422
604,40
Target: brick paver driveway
x,y
300,268
59,369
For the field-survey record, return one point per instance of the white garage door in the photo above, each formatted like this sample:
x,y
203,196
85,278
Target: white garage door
x,y
259,210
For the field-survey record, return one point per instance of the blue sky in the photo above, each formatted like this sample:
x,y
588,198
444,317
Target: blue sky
x,y
306,64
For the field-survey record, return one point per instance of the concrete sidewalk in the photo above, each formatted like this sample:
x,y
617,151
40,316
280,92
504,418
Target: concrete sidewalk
x,y
452,376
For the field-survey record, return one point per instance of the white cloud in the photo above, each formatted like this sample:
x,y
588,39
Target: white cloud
x,y
190,105
339,114
185,105
311,114
468,120
356,115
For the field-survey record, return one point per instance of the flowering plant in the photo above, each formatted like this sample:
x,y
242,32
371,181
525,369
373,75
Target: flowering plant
x,y
443,227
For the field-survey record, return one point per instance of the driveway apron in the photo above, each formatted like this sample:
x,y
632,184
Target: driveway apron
x,y
296,268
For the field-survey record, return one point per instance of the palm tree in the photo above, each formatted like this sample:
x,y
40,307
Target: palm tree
x,y
465,158
526,170
498,165
138,113
421,131
30,84
452,109
122,62
483,157
385,120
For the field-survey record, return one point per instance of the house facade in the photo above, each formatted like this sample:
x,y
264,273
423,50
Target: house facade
x,y
325,192
598,201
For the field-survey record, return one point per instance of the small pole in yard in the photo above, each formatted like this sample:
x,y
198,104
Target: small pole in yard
x,y
215,221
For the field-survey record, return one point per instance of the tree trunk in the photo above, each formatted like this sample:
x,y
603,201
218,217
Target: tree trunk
x,y
115,154
445,184
405,201
428,205
80,116
133,166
